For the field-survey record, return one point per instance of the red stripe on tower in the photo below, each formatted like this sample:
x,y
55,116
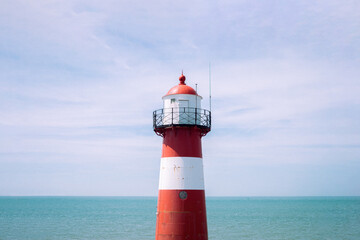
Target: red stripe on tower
x,y
181,210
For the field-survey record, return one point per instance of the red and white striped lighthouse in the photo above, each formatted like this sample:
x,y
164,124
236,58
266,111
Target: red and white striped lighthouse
x,y
181,210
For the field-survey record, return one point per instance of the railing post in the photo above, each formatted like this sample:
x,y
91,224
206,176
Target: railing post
x,y
195,116
172,116
210,119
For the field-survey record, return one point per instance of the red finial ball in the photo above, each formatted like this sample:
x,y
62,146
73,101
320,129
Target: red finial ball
x,y
182,79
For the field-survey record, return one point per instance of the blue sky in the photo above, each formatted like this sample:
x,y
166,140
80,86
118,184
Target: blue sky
x,y
79,81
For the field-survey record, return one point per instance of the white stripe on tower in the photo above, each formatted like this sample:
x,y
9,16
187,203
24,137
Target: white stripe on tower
x,y
180,173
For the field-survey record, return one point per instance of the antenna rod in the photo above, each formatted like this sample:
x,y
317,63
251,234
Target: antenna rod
x,y
210,85
196,96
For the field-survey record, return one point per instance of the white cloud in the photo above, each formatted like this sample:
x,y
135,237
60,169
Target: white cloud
x,y
79,80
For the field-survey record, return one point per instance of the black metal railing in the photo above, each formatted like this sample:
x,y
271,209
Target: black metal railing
x,y
182,116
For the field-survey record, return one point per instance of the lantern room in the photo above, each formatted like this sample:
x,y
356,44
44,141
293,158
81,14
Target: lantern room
x,y
182,96
181,107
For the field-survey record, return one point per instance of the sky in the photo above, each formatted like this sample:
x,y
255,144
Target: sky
x,y
79,81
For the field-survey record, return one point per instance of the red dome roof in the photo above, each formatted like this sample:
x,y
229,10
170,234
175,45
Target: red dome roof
x,y
182,88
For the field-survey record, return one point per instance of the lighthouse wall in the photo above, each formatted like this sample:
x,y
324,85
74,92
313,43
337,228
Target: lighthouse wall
x,y
181,173
181,210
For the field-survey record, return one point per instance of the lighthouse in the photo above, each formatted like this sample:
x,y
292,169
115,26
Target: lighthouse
x,y
181,209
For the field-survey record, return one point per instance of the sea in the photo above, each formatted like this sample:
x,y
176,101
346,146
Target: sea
x,y
133,218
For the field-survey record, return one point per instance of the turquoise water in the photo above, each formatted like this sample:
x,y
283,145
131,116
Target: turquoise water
x,y
130,218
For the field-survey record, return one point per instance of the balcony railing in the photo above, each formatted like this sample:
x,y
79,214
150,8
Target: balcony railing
x,y
181,116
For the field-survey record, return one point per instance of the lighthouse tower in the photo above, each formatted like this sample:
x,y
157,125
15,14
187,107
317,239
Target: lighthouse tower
x,y
181,210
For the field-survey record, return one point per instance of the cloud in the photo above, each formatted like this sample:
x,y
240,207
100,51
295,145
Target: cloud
x,y
79,81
